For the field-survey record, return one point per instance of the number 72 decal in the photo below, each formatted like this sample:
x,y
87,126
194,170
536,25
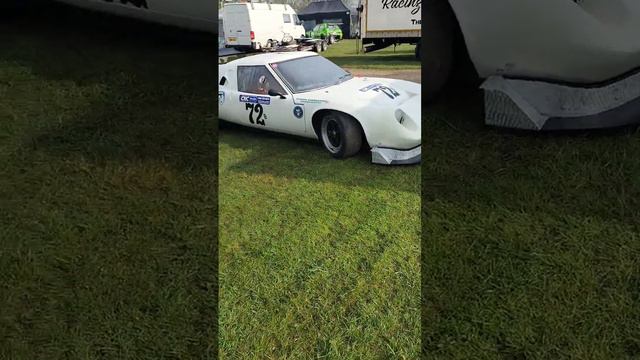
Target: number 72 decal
x,y
391,93
258,110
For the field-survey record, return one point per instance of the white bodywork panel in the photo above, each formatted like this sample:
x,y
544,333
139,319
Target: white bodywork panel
x,y
199,15
582,41
377,112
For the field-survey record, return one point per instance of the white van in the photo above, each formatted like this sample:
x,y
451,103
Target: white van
x,y
260,25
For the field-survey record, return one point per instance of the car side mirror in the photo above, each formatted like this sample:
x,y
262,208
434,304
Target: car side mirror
x,y
276,93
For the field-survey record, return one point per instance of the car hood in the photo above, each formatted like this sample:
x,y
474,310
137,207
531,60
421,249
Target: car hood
x,y
371,91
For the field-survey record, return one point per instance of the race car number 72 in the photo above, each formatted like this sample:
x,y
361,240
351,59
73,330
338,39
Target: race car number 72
x,y
258,110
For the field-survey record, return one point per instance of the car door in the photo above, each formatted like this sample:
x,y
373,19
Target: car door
x,y
256,108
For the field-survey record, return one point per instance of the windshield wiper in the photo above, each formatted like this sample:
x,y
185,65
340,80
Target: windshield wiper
x,y
342,77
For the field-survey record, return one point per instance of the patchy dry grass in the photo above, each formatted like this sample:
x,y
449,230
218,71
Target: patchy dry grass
x,y
318,257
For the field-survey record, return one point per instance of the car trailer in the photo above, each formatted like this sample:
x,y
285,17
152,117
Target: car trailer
x,y
304,44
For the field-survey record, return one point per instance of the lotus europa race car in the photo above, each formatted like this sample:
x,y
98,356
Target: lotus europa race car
x,y
304,94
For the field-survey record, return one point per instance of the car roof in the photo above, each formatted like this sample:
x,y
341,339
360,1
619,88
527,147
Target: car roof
x,y
273,57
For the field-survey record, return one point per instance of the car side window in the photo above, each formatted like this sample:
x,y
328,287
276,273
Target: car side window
x,y
257,80
286,18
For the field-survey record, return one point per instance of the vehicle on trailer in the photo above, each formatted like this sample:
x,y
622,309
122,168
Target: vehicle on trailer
x,y
251,25
201,15
277,92
329,32
548,64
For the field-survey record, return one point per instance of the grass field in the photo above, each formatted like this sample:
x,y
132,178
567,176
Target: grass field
x,y
107,189
344,54
531,242
319,258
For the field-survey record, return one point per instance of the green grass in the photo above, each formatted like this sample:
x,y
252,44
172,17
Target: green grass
x,y
344,54
531,242
107,188
319,258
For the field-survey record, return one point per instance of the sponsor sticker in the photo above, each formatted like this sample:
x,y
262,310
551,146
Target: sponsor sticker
x,y
298,111
311,101
221,97
262,100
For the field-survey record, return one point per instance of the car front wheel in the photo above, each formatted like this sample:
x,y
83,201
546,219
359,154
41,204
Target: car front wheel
x,y
340,135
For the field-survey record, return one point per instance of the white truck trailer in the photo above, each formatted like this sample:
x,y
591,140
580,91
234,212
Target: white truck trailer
x,y
388,22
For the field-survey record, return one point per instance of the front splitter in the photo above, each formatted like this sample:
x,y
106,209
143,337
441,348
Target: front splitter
x,y
389,156
540,105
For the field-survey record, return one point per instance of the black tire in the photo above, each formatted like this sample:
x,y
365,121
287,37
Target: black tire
x,y
323,46
341,135
331,40
436,47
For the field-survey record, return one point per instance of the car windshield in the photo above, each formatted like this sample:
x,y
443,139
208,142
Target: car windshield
x,y
317,27
310,73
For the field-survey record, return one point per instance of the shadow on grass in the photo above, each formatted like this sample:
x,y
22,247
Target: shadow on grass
x,y
149,87
291,157
579,172
520,229
110,261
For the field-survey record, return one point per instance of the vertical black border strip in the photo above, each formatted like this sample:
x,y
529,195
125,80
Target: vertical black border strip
x,y
423,209
215,244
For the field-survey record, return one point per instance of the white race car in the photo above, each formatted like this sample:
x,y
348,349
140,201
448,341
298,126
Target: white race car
x,y
302,93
